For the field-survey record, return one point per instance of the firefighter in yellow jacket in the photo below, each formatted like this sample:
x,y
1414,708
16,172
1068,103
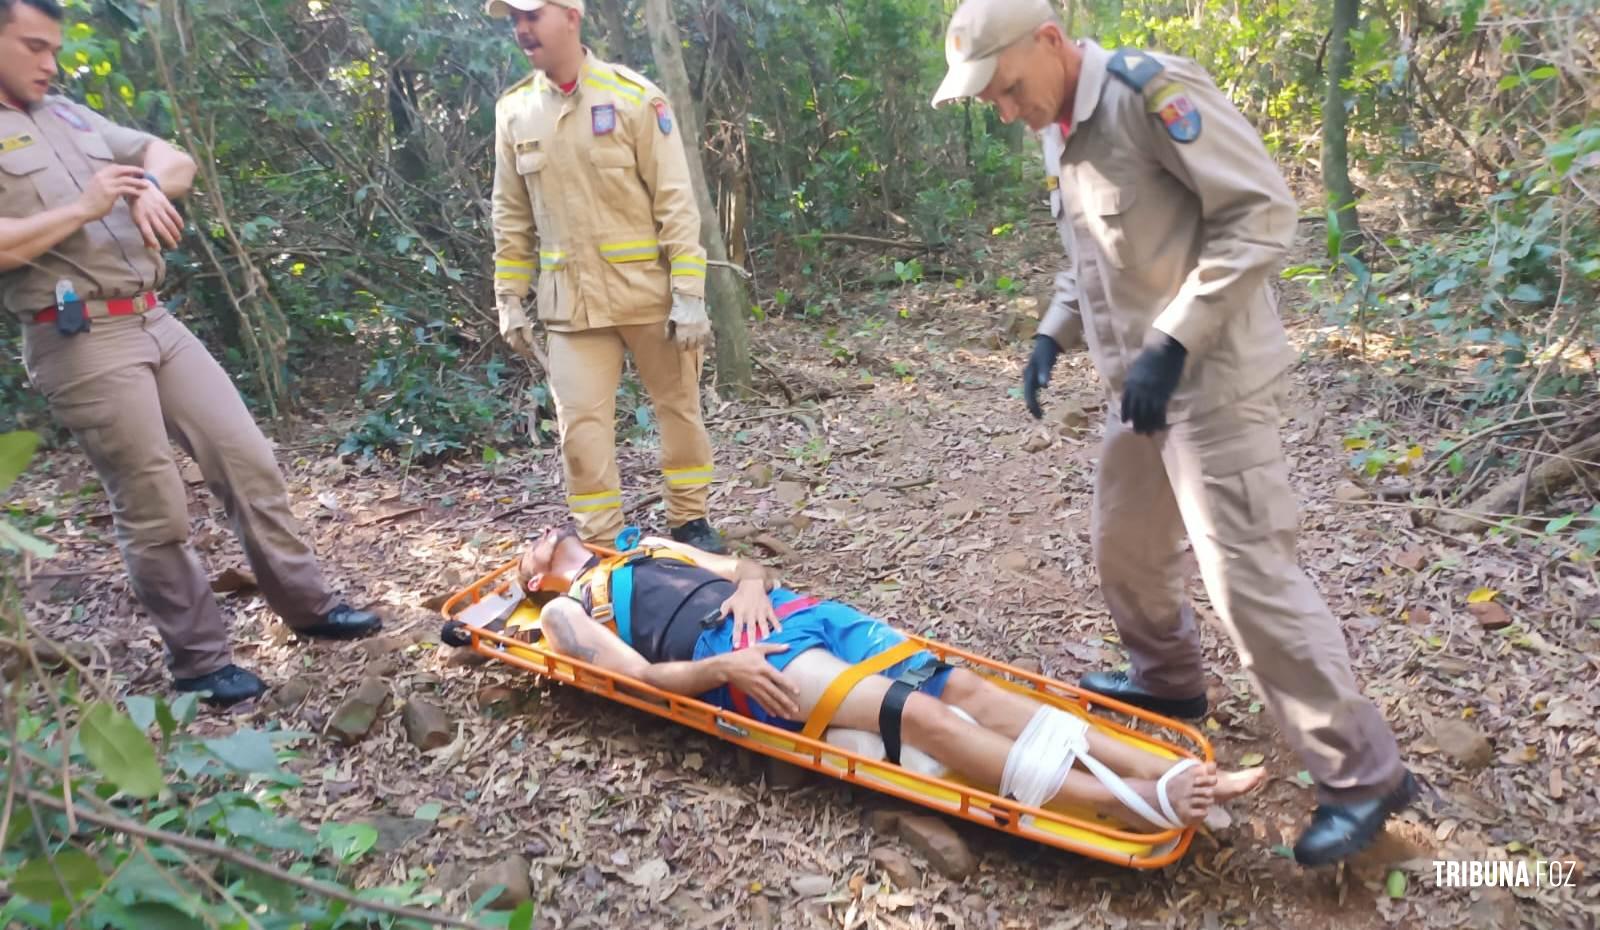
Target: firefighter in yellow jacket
x,y
594,215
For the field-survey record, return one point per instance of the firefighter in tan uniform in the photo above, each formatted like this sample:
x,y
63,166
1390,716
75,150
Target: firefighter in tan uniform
x,y
592,201
83,215
1174,217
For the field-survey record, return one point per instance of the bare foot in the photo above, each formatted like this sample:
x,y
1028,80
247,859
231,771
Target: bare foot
x,y
1232,784
1191,793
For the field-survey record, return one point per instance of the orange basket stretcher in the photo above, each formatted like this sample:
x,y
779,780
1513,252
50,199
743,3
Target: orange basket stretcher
x,y
494,619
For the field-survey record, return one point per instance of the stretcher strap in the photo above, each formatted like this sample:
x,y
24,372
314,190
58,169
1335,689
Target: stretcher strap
x,y
840,687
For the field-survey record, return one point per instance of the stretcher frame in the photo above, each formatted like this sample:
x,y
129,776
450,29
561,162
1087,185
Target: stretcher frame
x,y
1077,831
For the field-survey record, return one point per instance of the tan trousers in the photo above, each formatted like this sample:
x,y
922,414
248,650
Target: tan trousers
x,y
585,372
128,388
1222,478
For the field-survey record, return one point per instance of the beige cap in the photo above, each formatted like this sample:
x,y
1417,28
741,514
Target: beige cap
x,y
500,9
979,31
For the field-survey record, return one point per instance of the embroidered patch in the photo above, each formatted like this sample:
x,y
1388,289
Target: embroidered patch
x,y
663,116
70,117
1179,115
604,118
12,143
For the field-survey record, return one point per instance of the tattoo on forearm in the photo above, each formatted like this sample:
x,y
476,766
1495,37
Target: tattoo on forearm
x,y
565,639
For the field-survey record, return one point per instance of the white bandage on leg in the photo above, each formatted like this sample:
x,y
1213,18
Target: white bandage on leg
x,y
1039,760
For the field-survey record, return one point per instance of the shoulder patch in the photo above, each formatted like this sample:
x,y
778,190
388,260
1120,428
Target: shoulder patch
x,y
1134,68
1177,111
71,117
663,115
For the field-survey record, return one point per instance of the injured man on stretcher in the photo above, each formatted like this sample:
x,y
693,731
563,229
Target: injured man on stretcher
x,y
674,622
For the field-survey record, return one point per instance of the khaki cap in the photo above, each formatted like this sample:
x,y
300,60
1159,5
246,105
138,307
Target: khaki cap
x,y
979,31
500,9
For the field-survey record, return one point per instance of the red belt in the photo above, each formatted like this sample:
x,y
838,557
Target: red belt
x,y
121,306
740,702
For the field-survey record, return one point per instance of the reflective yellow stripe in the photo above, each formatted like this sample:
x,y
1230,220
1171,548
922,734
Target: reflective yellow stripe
x,y
600,500
509,270
552,261
689,477
606,82
689,266
638,250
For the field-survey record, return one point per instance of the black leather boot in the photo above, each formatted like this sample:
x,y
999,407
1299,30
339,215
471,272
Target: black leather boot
x,y
227,685
1338,831
1115,685
344,622
699,534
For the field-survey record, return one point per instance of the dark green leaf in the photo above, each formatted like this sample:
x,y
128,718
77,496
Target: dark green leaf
x,y
247,751
15,540
348,841
268,830
142,710
16,451
1527,293
522,917
120,751
151,915
38,878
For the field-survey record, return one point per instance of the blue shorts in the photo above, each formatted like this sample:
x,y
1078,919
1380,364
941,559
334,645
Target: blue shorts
x,y
842,630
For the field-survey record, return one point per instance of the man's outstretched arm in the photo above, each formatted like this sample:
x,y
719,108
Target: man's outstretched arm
x,y
574,633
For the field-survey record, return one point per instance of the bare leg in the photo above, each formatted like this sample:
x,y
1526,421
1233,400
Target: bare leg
x,y
978,752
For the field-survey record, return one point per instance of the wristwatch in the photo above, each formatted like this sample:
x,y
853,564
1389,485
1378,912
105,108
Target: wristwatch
x,y
153,180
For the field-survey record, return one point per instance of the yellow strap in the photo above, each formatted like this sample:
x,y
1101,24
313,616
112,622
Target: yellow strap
x,y
598,580
822,714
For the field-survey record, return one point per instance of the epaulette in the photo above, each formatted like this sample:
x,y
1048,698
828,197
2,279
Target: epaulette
x,y
629,76
1134,68
522,85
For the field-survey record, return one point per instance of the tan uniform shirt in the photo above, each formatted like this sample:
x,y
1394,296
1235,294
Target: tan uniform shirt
x,y
592,198
48,155
1178,236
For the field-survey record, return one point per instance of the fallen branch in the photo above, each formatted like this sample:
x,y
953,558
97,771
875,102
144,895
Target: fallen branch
x,y
1542,483
876,240
1489,431
244,861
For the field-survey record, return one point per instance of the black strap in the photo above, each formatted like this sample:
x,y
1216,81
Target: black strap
x,y
894,705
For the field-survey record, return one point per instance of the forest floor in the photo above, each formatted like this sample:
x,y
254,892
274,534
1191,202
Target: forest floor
x,y
906,477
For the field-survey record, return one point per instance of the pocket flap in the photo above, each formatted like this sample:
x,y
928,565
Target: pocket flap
x,y
25,160
93,145
612,156
530,162
1108,201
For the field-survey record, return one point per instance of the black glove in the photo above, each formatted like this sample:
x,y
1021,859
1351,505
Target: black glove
x,y
1152,378
1037,374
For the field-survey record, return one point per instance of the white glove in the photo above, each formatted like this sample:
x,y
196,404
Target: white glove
x,y
688,324
514,325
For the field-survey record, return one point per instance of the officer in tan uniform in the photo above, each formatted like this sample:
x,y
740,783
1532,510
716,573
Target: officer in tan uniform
x,y
592,201
83,215
1174,217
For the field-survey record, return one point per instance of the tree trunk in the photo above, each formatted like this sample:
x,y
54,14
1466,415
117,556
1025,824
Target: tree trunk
x,y
725,292
1335,133
1548,478
614,22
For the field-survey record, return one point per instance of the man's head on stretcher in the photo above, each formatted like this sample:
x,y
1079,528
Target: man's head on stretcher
x,y
715,627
